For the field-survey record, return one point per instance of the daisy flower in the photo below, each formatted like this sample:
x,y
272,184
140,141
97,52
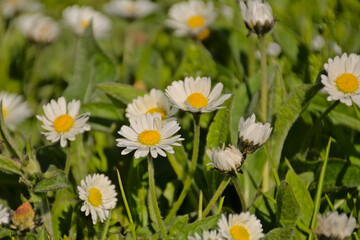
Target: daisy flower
x,y
252,135
153,102
14,109
335,226
4,215
258,16
38,28
226,160
130,9
191,18
148,134
11,7
342,80
195,96
318,43
207,235
63,122
79,18
240,226
99,196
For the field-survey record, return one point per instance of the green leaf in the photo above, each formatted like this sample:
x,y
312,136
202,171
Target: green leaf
x,y
175,225
277,92
279,234
54,180
103,110
8,165
124,93
287,115
197,227
42,235
6,233
241,100
92,66
288,209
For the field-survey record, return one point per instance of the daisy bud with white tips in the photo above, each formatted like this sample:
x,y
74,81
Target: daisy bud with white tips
x,y
206,235
335,226
258,16
4,215
252,135
226,160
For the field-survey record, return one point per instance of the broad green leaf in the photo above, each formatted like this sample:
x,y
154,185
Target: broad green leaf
x,y
54,179
279,234
92,66
287,40
287,115
265,207
288,209
8,165
198,227
277,92
42,235
124,93
173,227
103,110
6,233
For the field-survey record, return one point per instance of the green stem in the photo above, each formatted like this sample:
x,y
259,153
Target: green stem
x,y
106,228
46,214
126,205
68,161
200,211
189,176
153,197
216,195
319,189
237,186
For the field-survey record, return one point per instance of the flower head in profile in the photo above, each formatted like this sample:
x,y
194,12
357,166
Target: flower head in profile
x,y
226,160
11,7
147,134
258,16
240,226
4,215
14,109
252,135
99,196
154,102
192,18
342,80
130,9
63,122
195,96
206,235
38,28
335,226
79,18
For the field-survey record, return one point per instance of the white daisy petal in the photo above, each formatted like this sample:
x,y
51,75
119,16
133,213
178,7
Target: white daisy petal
x,y
227,160
130,9
206,235
4,215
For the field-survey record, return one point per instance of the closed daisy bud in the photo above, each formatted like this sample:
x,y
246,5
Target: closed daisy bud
x,y
99,196
63,122
226,160
335,226
258,16
130,9
4,215
23,217
243,226
11,7
342,80
252,135
206,235
195,96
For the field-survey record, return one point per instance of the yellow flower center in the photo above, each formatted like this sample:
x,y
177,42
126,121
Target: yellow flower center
x,y
95,197
157,110
63,123
85,23
197,100
239,233
4,112
196,21
204,34
149,137
347,83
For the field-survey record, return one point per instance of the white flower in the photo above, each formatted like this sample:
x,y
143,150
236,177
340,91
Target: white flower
x,y
336,48
252,135
207,235
130,9
14,109
191,18
227,12
99,196
195,96
342,80
79,18
335,226
258,16
12,7
273,49
147,134
153,102
240,226
38,28
63,122
4,215
227,160
318,43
